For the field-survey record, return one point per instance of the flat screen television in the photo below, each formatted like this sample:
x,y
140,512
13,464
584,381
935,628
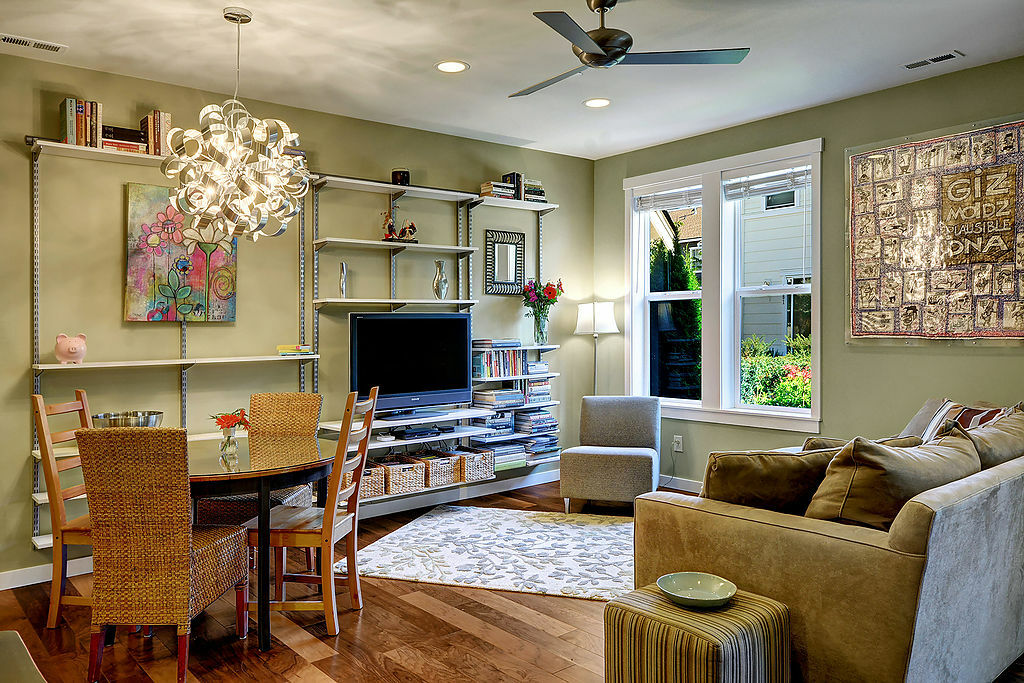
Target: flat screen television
x,y
417,359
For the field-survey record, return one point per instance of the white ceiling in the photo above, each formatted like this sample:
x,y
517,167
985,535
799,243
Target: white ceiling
x,y
373,59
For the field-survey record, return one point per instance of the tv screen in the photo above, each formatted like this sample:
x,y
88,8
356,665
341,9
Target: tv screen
x,y
417,359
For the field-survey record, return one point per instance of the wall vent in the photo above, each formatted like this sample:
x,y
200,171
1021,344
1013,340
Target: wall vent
x,y
954,54
22,41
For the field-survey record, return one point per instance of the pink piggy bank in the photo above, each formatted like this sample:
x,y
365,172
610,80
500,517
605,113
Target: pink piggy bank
x,y
70,349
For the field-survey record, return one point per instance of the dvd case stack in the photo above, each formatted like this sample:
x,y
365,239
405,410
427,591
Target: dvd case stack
x,y
533,421
500,423
540,445
508,455
538,391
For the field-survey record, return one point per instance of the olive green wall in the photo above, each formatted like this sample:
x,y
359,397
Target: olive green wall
x,y
83,261
865,389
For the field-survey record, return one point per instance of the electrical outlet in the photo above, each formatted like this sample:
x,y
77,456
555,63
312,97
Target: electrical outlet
x,y
677,443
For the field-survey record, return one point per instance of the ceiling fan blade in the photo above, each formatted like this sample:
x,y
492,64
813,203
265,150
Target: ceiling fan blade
x,y
550,81
570,30
731,56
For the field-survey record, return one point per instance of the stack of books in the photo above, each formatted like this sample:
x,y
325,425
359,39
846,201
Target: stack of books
x,y
538,391
498,398
543,444
294,349
156,124
533,421
125,140
504,363
533,191
81,123
508,455
537,367
493,188
500,423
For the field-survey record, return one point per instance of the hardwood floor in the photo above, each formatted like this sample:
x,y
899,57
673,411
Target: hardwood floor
x,y
405,631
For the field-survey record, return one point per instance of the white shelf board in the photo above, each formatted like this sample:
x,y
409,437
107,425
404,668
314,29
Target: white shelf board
x,y
88,365
540,207
458,484
415,191
64,150
71,451
351,243
460,432
543,459
542,348
43,498
508,378
394,302
512,437
42,542
461,414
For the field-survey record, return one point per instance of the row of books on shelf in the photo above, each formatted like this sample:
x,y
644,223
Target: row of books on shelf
x,y
497,343
294,349
506,363
514,186
81,123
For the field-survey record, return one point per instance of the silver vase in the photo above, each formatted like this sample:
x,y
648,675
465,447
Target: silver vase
x,y
343,281
440,281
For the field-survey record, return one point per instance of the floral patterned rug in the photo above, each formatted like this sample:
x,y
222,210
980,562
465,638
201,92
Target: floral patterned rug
x,y
579,556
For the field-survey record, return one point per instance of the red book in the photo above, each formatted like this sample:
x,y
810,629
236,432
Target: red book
x,y
80,122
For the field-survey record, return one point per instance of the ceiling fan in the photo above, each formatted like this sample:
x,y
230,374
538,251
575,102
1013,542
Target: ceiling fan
x,y
605,47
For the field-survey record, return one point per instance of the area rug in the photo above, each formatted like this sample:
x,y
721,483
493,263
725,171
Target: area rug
x,y
550,553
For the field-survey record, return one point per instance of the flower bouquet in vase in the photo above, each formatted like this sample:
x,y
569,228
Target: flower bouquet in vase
x,y
228,424
538,302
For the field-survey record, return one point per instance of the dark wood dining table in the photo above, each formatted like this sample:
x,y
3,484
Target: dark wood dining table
x,y
296,461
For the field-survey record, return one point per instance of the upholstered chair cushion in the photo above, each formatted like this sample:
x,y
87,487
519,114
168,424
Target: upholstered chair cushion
x,y
626,421
867,483
1000,440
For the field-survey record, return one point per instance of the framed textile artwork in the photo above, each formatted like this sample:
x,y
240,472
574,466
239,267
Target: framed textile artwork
x,y
174,271
936,235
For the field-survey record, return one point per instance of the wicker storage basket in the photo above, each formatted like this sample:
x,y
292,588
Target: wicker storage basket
x,y
372,483
442,469
475,463
401,476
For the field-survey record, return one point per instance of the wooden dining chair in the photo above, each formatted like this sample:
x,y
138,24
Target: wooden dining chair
x,y
65,532
296,527
151,566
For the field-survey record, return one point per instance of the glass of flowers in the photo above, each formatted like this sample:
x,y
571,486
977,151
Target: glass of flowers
x,y
228,423
538,302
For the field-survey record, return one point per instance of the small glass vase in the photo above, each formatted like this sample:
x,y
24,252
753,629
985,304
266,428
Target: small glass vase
x,y
540,330
229,450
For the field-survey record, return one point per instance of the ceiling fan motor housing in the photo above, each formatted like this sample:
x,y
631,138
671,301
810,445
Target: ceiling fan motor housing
x,y
615,42
599,5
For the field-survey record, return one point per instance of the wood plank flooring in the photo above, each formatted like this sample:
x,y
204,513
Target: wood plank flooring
x,y
406,632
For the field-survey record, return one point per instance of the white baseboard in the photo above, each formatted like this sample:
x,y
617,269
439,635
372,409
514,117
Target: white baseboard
x,y
680,484
16,578
386,507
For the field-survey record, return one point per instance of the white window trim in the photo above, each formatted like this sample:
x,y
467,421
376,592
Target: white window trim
x,y
720,386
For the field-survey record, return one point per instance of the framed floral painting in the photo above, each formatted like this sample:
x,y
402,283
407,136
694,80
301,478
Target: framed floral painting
x,y
175,272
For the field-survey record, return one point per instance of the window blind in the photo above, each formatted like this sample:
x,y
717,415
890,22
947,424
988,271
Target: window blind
x,y
762,184
684,198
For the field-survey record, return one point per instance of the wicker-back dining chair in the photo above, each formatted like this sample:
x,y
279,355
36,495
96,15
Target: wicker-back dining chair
x,y
296,527
150,565
65,532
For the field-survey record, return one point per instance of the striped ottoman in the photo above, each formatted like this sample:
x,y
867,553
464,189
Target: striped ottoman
x,y
648,639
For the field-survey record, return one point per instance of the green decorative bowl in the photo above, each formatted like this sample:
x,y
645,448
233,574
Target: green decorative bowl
x,y
696,589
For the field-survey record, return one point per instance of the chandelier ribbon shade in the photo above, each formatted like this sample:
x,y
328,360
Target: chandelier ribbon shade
x,y
235,173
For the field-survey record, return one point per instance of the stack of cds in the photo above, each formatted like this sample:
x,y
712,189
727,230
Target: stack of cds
x,y
544,444
499,423
508,455
538,391
533,421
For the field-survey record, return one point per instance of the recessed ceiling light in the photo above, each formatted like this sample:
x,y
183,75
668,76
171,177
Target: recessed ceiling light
x,y
452,66
597,102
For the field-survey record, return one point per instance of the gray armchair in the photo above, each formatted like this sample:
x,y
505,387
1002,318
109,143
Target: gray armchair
x,y
617,459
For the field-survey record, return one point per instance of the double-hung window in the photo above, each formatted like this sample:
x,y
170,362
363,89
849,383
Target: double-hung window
x,y
722,311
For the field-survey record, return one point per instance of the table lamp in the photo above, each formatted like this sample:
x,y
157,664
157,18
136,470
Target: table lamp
x,y
596,318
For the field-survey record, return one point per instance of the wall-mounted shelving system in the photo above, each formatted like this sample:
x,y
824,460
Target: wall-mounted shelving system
x,y
41,148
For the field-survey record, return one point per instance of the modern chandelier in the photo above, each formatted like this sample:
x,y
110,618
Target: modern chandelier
x,y
234,173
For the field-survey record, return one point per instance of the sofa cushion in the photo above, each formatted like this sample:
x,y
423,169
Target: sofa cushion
x,y
783,481
867,482
1001,439
928,421
816,443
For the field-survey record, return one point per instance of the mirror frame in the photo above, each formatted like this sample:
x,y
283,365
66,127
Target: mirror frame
x,y
492,238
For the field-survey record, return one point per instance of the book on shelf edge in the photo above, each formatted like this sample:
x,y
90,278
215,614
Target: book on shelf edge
x,y
122,146
123,134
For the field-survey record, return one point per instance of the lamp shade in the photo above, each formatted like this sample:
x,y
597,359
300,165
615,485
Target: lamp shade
x,y
596,318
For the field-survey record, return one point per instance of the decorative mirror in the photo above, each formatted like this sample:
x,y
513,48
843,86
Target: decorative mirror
x,y
504,259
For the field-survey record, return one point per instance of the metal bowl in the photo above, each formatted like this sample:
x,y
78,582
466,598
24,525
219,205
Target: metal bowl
x,y
129,418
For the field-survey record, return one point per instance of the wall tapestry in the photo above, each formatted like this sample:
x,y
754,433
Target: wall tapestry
x,y
936,237
175,272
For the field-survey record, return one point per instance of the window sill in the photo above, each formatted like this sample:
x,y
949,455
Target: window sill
x,y
765,419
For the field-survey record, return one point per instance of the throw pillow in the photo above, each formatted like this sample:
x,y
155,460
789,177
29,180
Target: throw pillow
x,y
967,417
867,483
770,480
816,443
1000,440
